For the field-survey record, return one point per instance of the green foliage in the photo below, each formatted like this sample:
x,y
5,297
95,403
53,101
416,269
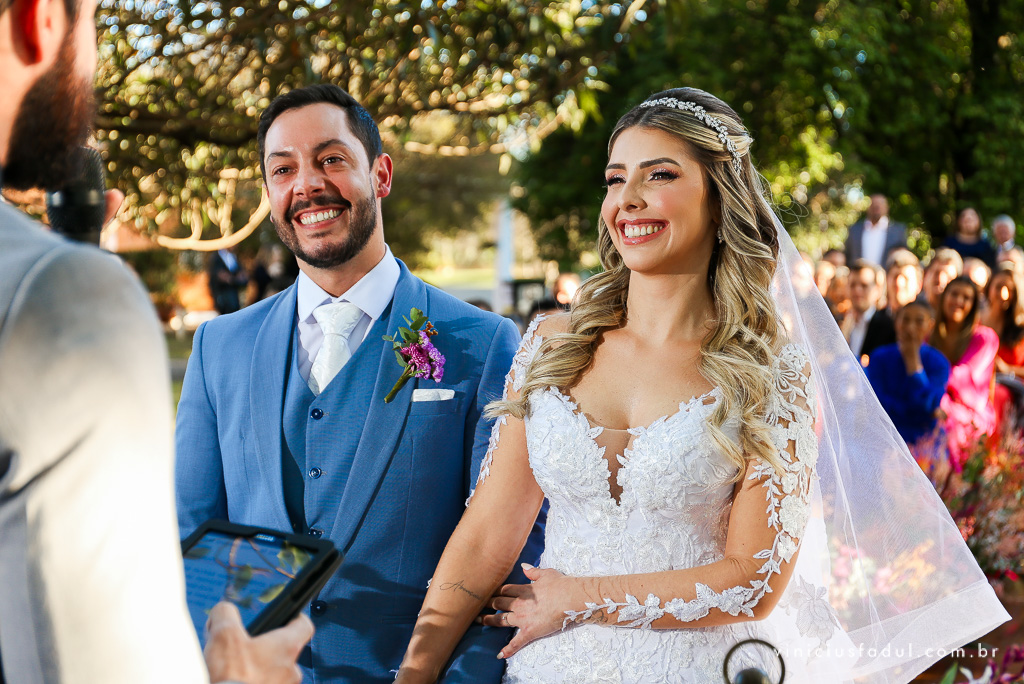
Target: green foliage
x,y
181,85
917,99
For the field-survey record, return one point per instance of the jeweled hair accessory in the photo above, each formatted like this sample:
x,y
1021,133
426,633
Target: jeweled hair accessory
x,y
712,122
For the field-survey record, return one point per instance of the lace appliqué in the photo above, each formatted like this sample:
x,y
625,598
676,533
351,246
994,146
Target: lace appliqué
x,y
515,378
791,413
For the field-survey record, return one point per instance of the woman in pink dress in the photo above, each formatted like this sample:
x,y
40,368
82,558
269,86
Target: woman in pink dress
x,y
971,349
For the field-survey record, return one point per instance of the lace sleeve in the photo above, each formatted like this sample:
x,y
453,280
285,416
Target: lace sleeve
x,y
775,526
514,380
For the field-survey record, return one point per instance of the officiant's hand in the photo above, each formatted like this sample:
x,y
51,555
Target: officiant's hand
x,y
535,609
232,655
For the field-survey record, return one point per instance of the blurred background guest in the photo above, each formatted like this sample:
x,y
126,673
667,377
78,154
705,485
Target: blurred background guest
x,y
226,278
866,326
1004,232
909,376
874,236
838,294
565,289
944,266
968,240
978,271
903,279
836,257
971,350
1005,315
824,272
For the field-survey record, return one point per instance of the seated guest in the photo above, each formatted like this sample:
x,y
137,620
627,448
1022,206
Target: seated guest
x,y
944,266
838,295
1004,232
909,376
836,257
903,279
866,326
971,349
824,272
1005,315
968,240
978,271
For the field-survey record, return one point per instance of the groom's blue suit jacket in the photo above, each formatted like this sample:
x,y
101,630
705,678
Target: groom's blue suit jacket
x,y
391,479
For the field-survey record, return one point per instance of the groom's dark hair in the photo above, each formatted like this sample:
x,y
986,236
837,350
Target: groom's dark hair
x,y
360,122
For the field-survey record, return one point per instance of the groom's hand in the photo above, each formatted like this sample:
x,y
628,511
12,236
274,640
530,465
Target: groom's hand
x,y
232,655
535,609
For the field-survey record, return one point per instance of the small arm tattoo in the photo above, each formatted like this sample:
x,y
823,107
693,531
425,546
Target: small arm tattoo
x,y
459,586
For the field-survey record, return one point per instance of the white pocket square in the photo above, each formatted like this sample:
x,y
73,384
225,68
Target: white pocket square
x,y
432,394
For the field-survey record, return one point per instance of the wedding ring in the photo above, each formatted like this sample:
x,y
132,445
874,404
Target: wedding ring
x,y
504,618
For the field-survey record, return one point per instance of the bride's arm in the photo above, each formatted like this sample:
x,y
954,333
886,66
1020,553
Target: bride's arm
x,y
484,546
768,517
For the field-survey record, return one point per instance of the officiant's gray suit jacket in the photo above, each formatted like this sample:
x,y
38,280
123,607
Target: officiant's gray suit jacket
x,y
91,588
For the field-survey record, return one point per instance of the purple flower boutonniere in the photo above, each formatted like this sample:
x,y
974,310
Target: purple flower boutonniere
x,y
415,352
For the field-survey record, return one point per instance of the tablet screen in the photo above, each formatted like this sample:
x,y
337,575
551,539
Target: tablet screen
x,y
248,571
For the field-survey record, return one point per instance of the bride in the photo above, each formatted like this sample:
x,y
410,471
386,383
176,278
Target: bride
x,y
717,469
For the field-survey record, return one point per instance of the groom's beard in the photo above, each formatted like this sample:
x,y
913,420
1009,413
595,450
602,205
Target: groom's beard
x,y
362,219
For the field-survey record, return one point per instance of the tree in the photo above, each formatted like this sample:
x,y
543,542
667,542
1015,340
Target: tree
x,y
182,83
839,97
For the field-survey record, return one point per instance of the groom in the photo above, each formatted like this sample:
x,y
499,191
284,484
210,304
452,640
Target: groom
x,y
282,421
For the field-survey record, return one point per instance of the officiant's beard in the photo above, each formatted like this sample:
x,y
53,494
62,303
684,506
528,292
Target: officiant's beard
x,y
362,220
52,121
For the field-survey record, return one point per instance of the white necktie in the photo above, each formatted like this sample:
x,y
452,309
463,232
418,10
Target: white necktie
x,y
337,320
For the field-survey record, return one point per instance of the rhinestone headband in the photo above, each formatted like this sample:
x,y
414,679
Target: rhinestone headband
x,y
712,122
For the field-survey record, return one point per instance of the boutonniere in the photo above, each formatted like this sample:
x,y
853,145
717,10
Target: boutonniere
x,y
416,354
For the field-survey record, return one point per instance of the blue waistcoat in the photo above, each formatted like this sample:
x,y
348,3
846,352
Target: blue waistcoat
x,y
320,435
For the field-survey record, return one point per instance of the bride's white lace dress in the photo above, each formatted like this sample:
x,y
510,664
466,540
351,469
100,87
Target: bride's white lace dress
x,y
673,513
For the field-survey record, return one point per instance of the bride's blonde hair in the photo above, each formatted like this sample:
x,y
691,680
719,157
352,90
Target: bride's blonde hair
x,y
737,355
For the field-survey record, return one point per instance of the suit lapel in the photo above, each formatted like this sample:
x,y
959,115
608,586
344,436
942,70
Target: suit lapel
x,y
384,422
267,374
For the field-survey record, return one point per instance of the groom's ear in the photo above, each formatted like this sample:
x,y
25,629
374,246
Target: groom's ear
x,y
382,173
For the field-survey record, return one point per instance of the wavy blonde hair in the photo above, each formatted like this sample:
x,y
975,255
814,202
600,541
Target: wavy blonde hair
x,y
738,353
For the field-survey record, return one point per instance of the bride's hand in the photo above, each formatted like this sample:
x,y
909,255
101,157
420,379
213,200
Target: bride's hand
x,y
536,609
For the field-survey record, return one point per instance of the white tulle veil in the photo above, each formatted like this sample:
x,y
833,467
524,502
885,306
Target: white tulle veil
x,y
884,583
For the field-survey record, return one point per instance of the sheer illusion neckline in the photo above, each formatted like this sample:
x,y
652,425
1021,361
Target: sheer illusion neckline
x,y
685,407
614,465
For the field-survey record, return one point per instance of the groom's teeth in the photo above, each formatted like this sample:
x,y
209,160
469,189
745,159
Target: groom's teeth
x,y
309,219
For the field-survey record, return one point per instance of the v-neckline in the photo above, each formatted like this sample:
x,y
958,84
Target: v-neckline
x,y
593,431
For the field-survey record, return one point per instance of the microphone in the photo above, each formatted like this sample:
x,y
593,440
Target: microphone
x,y
753,675
77,210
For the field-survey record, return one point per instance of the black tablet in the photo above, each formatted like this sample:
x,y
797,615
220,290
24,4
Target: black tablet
x,y
269,575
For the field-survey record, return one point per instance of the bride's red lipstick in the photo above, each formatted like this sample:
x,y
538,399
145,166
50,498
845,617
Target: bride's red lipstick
x,y
635,224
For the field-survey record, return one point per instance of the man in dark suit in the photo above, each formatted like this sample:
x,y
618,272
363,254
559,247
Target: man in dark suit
x,y
874,236
226,277
866,327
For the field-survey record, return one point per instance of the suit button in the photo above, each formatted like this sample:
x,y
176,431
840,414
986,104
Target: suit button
x,y
314,473
316,414
314,532
318,607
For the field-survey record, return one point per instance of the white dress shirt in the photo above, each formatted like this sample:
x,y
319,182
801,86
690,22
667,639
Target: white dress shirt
x,y
860,330
872,245
371,294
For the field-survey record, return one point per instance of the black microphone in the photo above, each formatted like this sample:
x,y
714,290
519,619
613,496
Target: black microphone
x,y
77,210
753,675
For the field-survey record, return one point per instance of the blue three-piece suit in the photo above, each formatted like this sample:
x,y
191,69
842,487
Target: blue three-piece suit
x,y
386,483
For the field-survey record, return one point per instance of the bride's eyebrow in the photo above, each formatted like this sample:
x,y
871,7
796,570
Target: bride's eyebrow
x,y
644,164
